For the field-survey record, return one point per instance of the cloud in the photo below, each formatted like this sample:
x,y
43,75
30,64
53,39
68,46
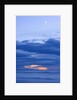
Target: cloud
x,y
49,47
24,52
37,55
44,54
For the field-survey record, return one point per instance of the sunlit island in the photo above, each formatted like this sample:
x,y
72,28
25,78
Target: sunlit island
x,y
36,67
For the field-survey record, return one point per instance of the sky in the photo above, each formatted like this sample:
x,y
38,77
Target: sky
x,y
47,54
37,27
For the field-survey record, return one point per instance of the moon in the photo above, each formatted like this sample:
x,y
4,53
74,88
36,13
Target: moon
x,y
45,22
